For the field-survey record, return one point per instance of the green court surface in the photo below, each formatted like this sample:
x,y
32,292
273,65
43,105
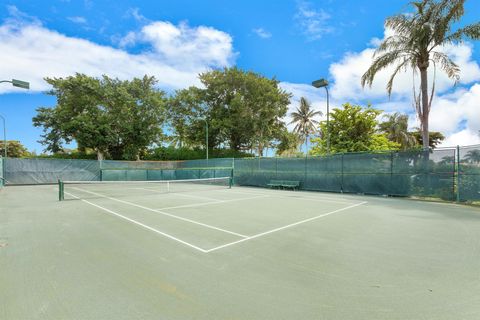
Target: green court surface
x,y
239,253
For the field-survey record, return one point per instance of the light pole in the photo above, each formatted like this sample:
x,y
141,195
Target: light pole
x,y
4,137
19,84
322,83
206,135
4,148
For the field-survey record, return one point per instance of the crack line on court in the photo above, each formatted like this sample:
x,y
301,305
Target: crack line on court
x,y
163,213
285,227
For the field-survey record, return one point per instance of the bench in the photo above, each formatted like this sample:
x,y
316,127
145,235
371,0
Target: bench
x,y
284,184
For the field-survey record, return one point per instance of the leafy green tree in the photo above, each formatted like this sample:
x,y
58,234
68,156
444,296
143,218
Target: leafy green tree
x,y
288,144
416,43
187,112
113,117
304,121
14,149
435,138
396,129
244,107
244,110
352,129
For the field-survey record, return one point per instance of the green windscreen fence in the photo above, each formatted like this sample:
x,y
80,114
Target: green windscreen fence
x,y
414,173
449,174
163,174
46,171
469,173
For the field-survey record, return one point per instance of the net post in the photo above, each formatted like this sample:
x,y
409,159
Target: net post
x,y
61,194
230,181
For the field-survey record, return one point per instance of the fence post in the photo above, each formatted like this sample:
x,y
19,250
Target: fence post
x,y
341,183
391,173
458,172
306,171
276,167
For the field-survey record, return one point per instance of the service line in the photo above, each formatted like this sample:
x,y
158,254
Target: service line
x,y
285,227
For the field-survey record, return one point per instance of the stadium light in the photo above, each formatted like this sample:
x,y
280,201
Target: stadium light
x,y
18,83
322,83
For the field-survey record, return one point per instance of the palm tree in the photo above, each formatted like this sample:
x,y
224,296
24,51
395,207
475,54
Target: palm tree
x,y
416,43
304,121
396,129
473,156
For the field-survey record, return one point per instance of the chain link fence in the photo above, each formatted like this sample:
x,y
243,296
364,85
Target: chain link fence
x,y
451,174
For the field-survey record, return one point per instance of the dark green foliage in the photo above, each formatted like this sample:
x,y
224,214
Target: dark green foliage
x,y
288,144
244,110
118,119
172,153
434,138
395,127
352,129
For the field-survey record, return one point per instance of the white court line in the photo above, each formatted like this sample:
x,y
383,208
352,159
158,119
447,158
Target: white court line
x,y
178,194
139,224
161,212
211,203
273,195
285,227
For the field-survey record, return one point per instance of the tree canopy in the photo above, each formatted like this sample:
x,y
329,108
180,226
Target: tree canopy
x,y
244,110
352,129
396,129
15,149
111,116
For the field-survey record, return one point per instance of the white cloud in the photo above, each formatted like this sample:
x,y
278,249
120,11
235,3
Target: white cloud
x,y
312,23
78,19
29,51
136,15
451,112
262,33
465,137
347,74
455,111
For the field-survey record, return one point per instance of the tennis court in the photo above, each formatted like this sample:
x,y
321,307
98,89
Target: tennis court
x,y
143,250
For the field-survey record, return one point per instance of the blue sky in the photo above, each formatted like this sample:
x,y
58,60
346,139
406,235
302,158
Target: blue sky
x,y
294,41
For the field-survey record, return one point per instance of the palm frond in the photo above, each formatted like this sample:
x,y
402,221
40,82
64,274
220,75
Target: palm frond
x,y
470,32
380,63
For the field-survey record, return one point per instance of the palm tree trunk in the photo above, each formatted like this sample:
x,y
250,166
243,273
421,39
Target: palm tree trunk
x,y
306,144
425,107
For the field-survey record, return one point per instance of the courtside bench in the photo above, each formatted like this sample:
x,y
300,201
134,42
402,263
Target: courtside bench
x,y
284,184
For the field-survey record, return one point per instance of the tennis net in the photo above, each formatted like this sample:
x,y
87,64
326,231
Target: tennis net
x,y
112,189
